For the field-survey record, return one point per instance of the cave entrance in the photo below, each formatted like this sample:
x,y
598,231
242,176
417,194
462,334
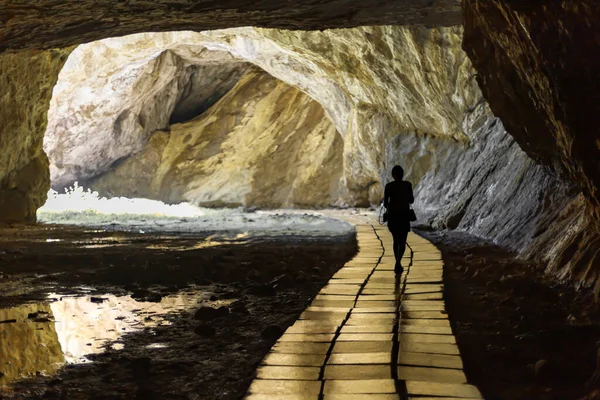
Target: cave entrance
x,y
168,117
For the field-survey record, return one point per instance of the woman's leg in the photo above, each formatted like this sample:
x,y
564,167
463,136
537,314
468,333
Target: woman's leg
x,y
398,250
395,246
394,232
399,234
400,246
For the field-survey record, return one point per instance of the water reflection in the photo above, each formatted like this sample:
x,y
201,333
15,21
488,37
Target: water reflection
x,y
27,347
210,241
48,334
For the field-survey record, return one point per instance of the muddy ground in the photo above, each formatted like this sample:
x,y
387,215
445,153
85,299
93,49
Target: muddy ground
x,y
259,288
522,335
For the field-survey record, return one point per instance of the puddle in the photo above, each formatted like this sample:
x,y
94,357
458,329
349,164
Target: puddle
x,y
157,346
39,338
100,242
102,246
116,240
210,241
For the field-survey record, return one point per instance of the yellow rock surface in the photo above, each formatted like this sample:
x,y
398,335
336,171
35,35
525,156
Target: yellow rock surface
x,y
264,144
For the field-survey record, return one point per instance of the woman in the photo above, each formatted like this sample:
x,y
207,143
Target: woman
x,y
398,197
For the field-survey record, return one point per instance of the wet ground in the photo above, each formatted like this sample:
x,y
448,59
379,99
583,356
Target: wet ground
x,y
88,314
522,335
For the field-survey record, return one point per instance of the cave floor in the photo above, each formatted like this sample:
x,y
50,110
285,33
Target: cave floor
x,y
522,335
91,314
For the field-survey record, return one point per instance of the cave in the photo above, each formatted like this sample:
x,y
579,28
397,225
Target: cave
x,y
183,182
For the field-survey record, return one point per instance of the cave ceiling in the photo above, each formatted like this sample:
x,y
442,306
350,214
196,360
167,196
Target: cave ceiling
x,y
52,24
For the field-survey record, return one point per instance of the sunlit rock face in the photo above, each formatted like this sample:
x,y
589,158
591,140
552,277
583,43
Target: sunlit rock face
x,y
537,66
373,82
110,99
59,24
264,144
26,81
376,83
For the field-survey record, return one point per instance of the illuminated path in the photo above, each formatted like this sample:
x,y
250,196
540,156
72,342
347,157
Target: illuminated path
x,y
368,335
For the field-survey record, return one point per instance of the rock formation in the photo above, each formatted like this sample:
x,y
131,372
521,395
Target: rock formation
x,y
263,144
109,99
537,66
373,83
26,82
423,111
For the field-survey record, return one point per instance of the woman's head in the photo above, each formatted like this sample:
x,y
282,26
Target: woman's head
x,y
397,172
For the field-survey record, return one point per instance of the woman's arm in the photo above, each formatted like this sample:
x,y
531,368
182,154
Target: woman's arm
x,y
411,197
385,196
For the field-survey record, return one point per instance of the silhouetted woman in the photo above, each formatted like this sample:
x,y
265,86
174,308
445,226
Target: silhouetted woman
x,y
398,197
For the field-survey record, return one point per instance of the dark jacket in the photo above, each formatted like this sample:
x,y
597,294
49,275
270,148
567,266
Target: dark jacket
x,y
398,196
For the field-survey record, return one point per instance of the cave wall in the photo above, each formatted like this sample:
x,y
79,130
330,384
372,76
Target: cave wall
x,y
111,97
264,144
489,187
538,68
537,64
492,189
26,82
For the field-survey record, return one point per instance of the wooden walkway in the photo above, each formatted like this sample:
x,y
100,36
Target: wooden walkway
x,y
370,335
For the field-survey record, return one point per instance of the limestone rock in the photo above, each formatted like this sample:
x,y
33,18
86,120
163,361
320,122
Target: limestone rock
x,y
263,144
373,82
386,81
133,176
26,82
127,97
